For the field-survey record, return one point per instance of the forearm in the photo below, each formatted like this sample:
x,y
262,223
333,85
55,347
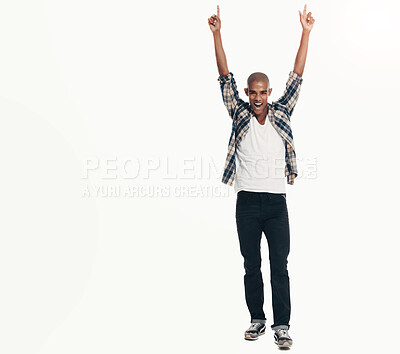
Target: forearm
x,y
220,54
302,53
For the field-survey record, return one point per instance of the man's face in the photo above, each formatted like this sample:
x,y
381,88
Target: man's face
x,y
258,93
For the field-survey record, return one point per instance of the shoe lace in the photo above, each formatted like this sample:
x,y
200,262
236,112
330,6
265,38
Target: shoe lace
x,y
282,332
255,326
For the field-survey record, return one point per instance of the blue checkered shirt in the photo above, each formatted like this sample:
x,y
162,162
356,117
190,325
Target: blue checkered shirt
x,y
279,113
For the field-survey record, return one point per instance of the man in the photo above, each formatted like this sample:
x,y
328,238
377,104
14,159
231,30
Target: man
x,y
260,156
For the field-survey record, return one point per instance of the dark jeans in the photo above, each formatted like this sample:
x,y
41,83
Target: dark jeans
x,y
258,212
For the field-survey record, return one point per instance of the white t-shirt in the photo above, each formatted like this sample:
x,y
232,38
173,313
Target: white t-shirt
x,y
260,160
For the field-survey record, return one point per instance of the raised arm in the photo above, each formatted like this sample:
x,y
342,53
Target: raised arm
x,y
215,25
289,98
307,22
227,82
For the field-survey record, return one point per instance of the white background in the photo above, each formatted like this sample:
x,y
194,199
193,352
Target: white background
x,y
100,80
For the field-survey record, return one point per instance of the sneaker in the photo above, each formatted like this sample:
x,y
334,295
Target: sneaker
x,y
282,338
254,331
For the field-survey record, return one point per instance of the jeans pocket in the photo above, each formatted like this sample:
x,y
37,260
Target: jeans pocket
x,y
247,205
242,200
278,196
243,196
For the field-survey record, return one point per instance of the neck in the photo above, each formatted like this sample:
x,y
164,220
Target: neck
x,y
261,120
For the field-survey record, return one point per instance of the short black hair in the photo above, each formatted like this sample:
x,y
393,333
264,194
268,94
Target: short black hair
x,y
257,76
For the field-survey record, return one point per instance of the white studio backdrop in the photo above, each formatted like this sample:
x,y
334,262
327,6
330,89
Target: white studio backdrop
x,y
117,235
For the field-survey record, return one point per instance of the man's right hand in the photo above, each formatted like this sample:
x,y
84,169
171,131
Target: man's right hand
x,y
215,22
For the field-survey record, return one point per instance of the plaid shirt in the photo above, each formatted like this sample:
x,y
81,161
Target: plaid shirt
x,y
279,114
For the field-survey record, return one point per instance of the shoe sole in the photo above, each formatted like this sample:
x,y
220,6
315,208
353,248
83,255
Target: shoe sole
x,y
247,337
285,344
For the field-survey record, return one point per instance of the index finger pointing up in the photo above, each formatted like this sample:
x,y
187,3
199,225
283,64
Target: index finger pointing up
x,y
218,10
305,10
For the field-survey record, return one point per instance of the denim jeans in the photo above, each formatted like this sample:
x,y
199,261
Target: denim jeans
x,y
258,212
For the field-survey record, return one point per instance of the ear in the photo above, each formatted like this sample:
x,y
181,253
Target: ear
x,y
246,91
269,93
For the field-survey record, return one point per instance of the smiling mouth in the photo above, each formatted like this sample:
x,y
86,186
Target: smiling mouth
x,y
257,105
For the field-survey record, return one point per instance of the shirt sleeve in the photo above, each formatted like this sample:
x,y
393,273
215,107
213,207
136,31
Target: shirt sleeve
x,y
230,93
290,96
